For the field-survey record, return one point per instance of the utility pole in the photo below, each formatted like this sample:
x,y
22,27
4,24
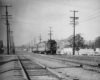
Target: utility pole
x,y
12,47
50,33
74,24
10,41
40,38
10,37
8,28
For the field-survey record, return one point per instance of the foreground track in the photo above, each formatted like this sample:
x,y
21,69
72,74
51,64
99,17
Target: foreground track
x,y
53,75
33,71
66,69
13,67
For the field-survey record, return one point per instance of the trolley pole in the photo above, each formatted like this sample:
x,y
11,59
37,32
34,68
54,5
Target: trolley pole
x,y
50,33
40,38
74,24
34,40
8,27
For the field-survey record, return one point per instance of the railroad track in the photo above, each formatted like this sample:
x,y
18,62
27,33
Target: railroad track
x,y
35,71
52,72
66,71
58,71
91,66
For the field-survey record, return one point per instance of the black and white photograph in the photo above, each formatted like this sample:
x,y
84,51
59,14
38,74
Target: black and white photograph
x,y
49,39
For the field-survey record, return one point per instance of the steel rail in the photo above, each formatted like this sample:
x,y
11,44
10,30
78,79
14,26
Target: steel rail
x,y
25,74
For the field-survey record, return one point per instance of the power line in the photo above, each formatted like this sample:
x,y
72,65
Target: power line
x,y
90,14
89,19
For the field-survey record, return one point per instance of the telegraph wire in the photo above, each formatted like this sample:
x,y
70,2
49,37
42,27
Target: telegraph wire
x,y
91,14
90,18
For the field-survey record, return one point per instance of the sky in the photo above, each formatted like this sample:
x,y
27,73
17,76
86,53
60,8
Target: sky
x,y
30,18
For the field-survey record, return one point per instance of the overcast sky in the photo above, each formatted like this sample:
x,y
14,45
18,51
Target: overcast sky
x,y
30,18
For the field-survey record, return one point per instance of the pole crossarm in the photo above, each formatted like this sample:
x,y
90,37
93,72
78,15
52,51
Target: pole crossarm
x,y
5,15
75,17
7,6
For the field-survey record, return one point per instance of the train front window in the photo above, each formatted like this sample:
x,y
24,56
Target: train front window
x,y
53,45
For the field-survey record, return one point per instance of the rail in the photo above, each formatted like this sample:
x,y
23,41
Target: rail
x,y
25,74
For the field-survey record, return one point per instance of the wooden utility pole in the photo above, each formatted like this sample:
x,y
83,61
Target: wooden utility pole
x,y
12,49
10,40
74,23
8,27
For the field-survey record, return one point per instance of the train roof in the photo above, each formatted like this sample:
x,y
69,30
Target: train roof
x,y
51,41
44,42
